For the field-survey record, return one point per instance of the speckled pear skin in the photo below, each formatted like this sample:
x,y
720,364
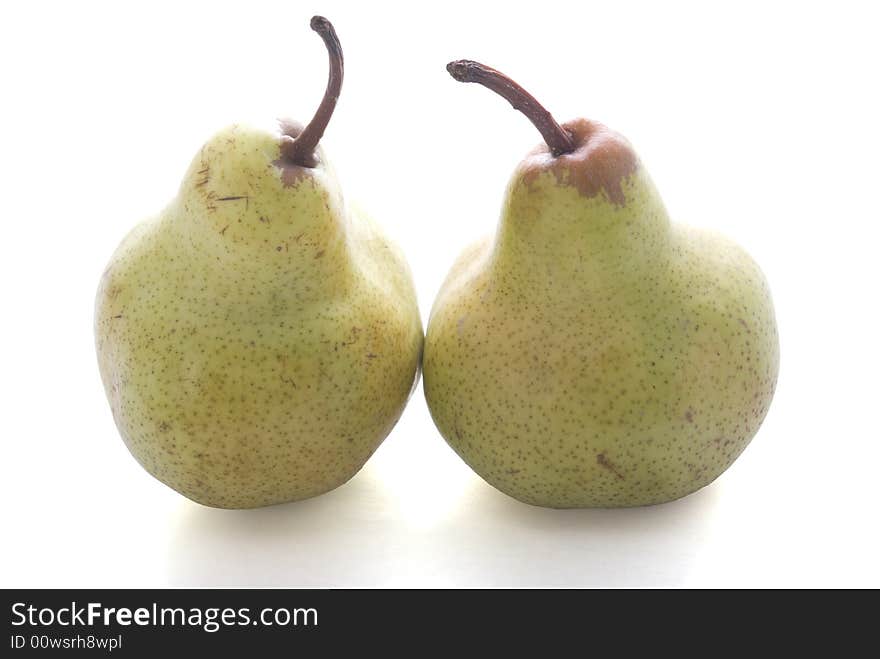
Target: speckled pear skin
x,y
593,354
256,341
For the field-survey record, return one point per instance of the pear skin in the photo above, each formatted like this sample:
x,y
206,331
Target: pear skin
x,y
591,353
257,340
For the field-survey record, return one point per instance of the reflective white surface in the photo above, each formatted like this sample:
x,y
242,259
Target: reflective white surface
x,y
760,122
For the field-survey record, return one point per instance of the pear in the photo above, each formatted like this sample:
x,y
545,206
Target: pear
x,y
593,354
258,339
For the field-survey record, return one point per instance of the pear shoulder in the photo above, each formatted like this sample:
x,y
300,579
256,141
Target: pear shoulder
x,y
469,266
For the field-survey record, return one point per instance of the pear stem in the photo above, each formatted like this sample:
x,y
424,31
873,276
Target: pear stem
x,y
301,151
556,137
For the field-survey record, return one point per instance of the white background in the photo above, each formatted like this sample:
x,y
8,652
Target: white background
x,y
759,119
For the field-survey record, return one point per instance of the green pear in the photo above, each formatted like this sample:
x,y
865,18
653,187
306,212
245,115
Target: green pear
x,y
257,339
592,354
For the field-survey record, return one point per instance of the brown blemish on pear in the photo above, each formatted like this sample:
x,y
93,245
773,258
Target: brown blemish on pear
x,y
601,161
603,461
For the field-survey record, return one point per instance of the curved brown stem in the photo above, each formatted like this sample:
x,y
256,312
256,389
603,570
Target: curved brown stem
x,y
301,151
556,137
